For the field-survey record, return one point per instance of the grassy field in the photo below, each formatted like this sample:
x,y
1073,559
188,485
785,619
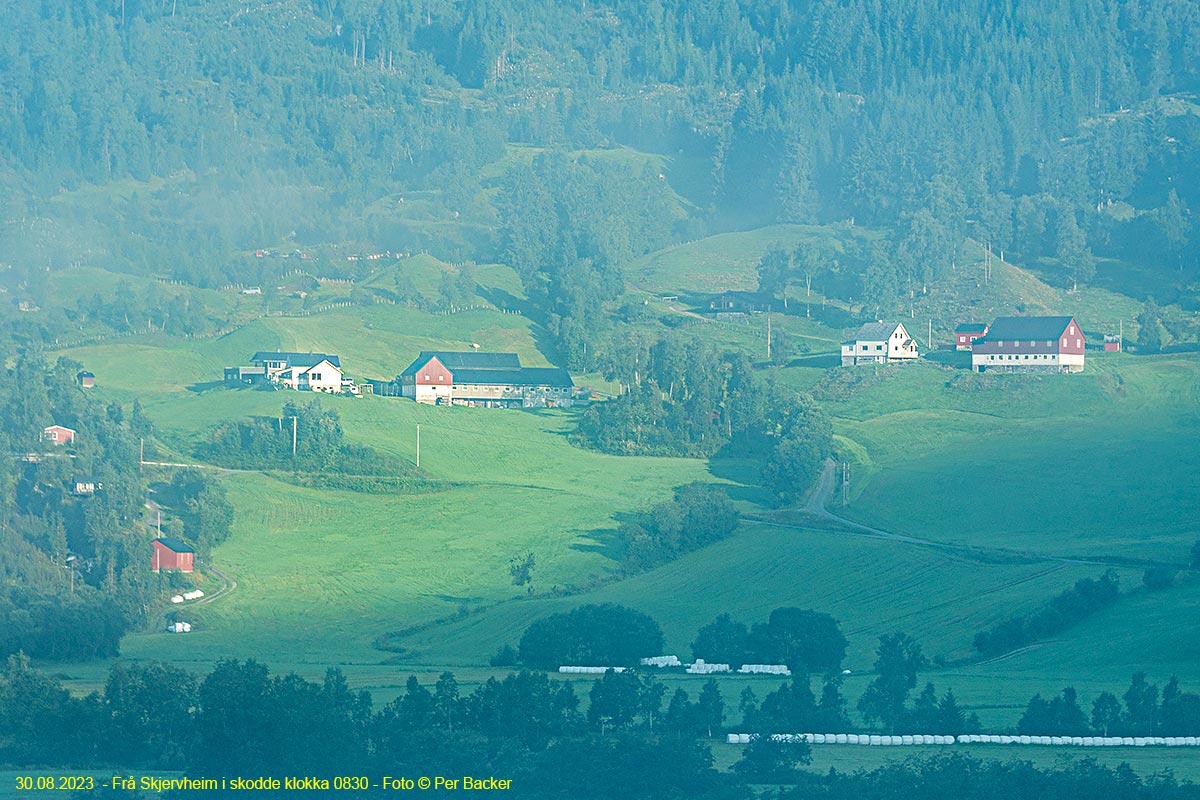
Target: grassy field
x,y
1103,466
1085,454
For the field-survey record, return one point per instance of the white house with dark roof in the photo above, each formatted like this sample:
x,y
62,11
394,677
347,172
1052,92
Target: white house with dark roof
x,y
879,343
316,372
1030,344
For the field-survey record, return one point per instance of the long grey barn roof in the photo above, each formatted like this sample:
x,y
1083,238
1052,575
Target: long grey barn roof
x,y
523,376
1030,328
296,359
175,544
456,360
875,331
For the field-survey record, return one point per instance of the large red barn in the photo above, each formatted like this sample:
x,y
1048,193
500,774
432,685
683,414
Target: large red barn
x,y
172,554
1030,344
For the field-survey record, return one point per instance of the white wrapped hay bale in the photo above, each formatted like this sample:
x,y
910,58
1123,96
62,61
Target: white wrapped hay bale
x,y
841,738
731,738
744,738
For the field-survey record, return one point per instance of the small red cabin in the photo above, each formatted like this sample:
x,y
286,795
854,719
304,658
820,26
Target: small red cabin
x,y
58,434
1112,344
172,554
965,335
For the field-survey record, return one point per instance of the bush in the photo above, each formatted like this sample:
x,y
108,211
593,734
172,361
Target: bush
x,y
593,635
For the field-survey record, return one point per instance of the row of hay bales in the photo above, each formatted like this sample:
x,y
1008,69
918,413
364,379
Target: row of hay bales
x,y
701,667
662,661
195,594
764,669
983,738
589,670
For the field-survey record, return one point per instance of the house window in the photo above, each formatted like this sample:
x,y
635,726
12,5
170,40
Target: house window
x,y
864,347
426,376
441,377
1000,343
1078,343
316,376
1049,343
1071,330
1064,342
878,347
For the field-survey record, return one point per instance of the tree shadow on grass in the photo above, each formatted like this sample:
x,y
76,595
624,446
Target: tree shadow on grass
x,y
201,388
605,541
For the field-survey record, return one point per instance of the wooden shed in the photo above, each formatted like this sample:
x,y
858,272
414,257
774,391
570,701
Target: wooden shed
x,y
172,554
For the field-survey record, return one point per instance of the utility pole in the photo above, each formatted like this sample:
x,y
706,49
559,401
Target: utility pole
x,y
845,483
768,336
929,346
141,453
418,446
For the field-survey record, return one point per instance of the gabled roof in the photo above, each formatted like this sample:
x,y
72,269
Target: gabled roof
x,y
524,376
295,359
57,427
1028,328
455,360
971,327
174,545
875,331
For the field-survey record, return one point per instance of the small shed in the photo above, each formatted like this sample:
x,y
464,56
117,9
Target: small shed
x,y
58,434
86,379
1112,343
172,554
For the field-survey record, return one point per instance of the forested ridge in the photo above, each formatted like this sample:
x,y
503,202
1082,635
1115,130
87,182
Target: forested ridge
x,y
171,138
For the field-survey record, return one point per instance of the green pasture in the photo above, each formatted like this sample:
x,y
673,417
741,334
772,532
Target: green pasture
x,y
721,263
1100,465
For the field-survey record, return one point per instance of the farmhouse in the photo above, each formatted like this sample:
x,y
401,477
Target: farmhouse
x,y
172,554
316,372
966,334
879,343
85,484
484,379
1030,344
58,434
86,379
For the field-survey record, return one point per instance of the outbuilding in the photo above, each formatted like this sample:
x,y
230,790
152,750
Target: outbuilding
x,y
172,554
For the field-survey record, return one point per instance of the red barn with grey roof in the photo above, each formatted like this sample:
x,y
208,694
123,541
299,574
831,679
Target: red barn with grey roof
x,y
1030,344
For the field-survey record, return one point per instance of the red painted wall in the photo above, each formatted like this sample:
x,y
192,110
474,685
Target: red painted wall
x,y
429,374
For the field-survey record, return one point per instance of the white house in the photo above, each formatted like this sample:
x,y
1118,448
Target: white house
x,y
879,343
323,376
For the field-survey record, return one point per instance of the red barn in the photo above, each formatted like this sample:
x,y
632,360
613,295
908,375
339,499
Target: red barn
x,y
172,554
965,335
58,434
1030,344
1112,343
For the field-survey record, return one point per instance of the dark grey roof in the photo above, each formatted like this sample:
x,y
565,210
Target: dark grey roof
x,y
970,327
455,360
295,359
174,544
84,374
1027,328
523,376
875,332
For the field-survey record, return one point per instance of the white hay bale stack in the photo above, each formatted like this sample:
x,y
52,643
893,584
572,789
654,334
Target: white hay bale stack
x,y
1056,740
818,738
1190,741
1089,741
874,740
1139,741
841,738
744,738
851,738
731,738
177,598
1077,741
1127,741
1158,740
907,739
